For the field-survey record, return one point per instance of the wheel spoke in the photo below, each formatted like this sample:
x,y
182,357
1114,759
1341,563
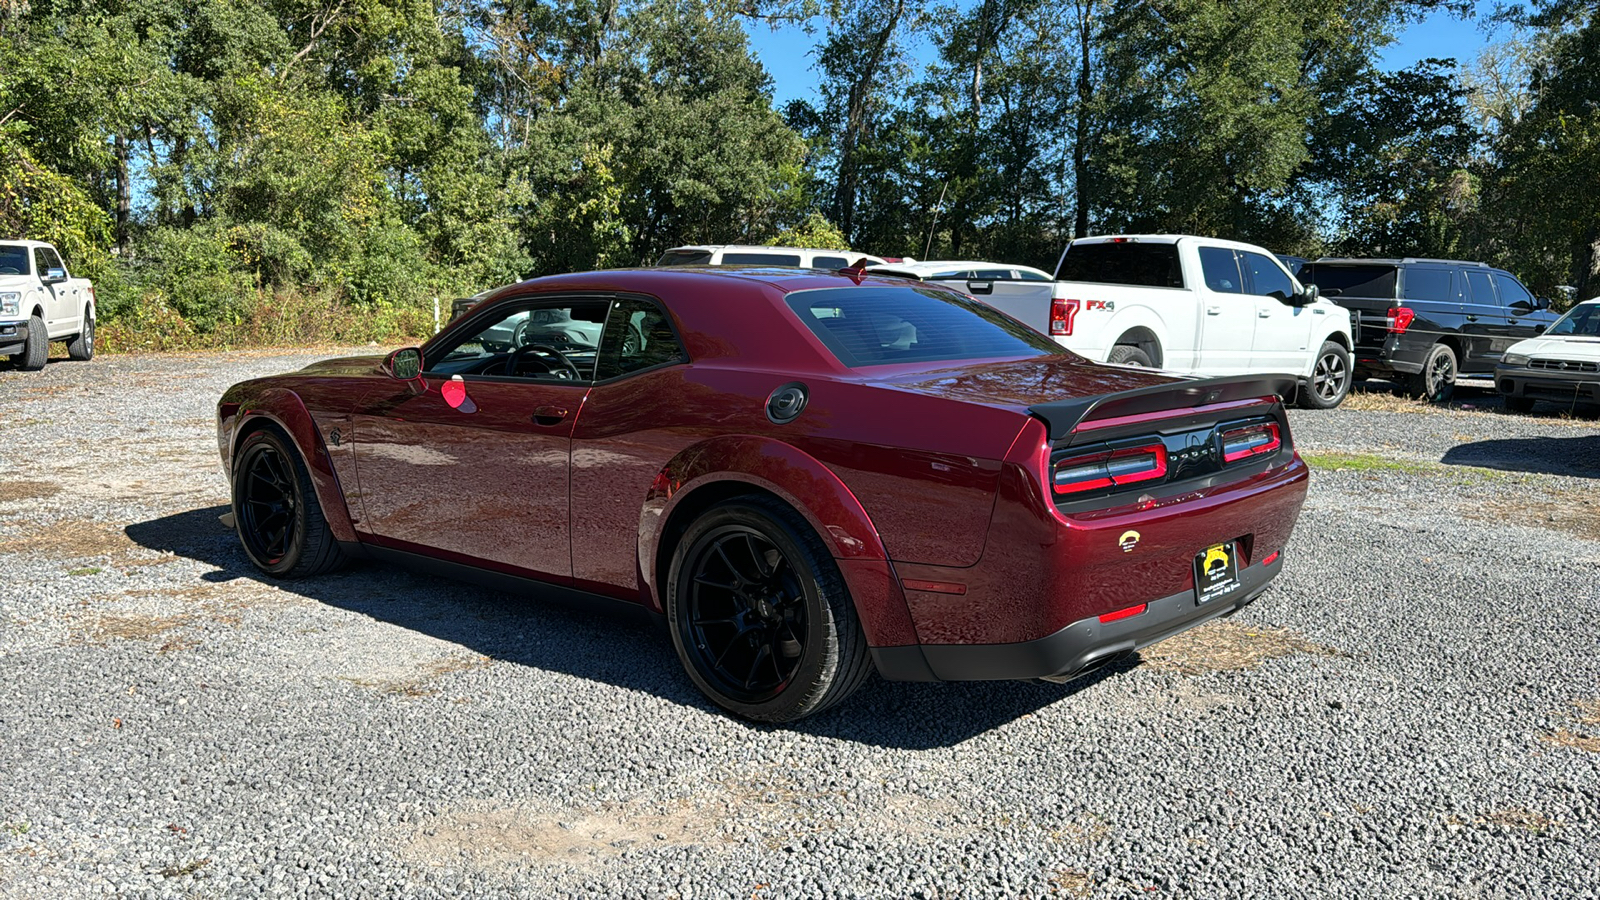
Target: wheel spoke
x,y
755,665
733,570
756,556
708,582
730,620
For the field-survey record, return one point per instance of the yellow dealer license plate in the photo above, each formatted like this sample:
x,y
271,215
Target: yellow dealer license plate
x,y
1216,572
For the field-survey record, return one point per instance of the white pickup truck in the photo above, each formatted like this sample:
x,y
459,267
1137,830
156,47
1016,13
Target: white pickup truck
x,y
41,302
1191,304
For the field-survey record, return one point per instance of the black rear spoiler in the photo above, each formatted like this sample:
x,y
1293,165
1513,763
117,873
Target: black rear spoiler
x,y
1062,416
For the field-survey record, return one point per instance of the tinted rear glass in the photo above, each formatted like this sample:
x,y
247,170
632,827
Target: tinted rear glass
x,y
829,262
1351,281
684,258
1429,284
760,259
1146,265
879,324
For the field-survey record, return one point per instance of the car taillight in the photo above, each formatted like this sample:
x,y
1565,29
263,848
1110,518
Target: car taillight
x,y
1251,440
1109,468
1400,319
1062,312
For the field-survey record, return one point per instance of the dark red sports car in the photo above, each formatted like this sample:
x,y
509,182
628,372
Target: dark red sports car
x,y
808,474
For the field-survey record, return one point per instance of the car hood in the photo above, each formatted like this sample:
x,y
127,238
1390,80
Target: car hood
x,y
346,365
17,282
1020,384
1574,346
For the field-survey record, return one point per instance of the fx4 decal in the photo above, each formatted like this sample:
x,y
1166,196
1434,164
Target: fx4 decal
x,y
1101,304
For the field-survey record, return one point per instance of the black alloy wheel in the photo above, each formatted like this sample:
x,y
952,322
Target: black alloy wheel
x,y
276,511
1436,383
760,615
747,613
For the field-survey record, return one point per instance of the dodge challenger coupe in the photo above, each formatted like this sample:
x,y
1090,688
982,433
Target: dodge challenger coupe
x,y
807,475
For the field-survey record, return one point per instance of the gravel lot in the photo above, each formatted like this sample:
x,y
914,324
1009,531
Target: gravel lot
x,y
1414,710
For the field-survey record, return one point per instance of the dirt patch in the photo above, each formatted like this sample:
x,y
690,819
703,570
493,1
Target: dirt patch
x,y
1507,820
1561,737
421,684
1227,647
17,491
72,539
1584,738
1570,511
134,627
505,839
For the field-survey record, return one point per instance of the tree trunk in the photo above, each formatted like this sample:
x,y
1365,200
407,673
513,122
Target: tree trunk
x,y
857,121
124,193
1586,263
1080,140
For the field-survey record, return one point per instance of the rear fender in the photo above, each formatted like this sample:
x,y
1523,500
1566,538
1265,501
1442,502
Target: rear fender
x,y
708,471
284,409
1130,318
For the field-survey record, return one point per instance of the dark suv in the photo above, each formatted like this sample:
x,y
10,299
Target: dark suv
x,y
1423,321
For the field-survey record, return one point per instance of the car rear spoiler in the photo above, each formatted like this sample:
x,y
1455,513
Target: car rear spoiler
x,y
1061,417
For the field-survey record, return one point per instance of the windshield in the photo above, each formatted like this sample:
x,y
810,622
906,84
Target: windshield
x,y
1583,319
13,259
882,324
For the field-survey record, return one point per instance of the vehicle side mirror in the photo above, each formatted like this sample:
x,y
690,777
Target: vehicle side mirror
x,y
1307,296
405,364
1523,307
981,287
1539,329
54,276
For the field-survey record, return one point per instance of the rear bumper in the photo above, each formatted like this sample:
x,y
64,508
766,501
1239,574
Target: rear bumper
x,y
1546,384
13,337
1082,645
1394,355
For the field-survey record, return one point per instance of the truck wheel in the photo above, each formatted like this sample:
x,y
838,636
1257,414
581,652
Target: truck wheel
x,y
37,349
1129,355
1330,378
1436,383
276,512
1519,404
82,346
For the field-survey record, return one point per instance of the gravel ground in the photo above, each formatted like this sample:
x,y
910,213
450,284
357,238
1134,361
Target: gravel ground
x,y
1414,709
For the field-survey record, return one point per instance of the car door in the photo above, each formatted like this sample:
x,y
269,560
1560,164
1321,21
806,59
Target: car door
x,y
472,458
1484,327
1282,330
61,309
626,433
1525,316
1228,315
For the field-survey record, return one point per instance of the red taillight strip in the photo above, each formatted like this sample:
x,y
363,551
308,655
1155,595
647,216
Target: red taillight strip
x,y
1128,613
1111,479
1142,418
1273,442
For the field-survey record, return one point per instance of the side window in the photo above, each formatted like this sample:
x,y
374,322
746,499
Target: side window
x,y
760,259
1512,291
829,262
13,259
1429,284
1220,270
638,336
991,275
544,340
1026,275
41,263
1266,276
52,260
1481,288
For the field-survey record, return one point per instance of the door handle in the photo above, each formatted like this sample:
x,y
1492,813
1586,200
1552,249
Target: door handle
x,y
549,415
1263,313
1213,310
1472,318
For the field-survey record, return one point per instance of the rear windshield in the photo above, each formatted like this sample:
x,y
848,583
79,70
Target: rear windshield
x,y
880,324
13,259
1145,265
760,259
1352,281
684,258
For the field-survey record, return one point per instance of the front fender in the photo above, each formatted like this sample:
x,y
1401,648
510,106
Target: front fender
x,y
806,485
246,406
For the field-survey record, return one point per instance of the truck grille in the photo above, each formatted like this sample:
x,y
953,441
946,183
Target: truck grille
x,y
1564,365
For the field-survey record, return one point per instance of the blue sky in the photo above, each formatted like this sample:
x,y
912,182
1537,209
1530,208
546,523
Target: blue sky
x,y
786,52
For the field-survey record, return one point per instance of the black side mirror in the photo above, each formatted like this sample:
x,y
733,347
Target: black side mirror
x,y
54,276
1539,329
405,364
1523,307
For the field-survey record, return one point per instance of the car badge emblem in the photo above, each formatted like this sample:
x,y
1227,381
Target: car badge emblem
x,y
1128,541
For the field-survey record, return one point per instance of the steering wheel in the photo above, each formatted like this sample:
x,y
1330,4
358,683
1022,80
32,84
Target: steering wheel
x,y
554,362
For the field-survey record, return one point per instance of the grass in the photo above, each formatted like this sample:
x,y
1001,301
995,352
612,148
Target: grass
x,y
267,319
1367,462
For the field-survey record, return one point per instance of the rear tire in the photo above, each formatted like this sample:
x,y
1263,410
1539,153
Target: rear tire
x,y
276,512
37,348
1330,378
1436,383
1129,355
760,616
1519,404
82,347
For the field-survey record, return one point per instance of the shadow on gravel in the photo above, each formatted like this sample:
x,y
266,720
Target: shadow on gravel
x,y
616,649
1577,456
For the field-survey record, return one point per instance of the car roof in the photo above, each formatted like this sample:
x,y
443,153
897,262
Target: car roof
x,y
24,242
758,248
1167,239
929,268
1408,260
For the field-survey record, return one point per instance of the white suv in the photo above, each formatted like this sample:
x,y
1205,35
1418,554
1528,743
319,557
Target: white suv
x,y
748,255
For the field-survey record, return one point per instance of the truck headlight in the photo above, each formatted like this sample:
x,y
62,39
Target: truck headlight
x,y
1514,359
10,303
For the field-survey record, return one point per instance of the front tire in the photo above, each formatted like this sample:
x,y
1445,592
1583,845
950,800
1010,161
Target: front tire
x,y
276,512
760,615
1436,383
81,347
1129,355
37,348
1330,378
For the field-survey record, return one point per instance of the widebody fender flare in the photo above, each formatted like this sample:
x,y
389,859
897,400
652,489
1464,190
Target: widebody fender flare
x,y
714,468
285,409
